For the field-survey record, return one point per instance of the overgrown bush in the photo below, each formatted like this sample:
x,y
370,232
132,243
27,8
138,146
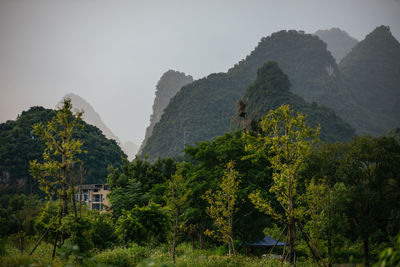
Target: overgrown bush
x,y
123,257
143,225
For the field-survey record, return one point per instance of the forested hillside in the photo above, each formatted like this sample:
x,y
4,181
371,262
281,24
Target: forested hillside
x,y
271,90
204,108
18,145
373,69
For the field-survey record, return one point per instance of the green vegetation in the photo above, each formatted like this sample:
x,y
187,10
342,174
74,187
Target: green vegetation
x,y
373,70
176,199
19,145
222,207
362,91
338,203
332,202
271,90
204,108
168,85
286,142
395,133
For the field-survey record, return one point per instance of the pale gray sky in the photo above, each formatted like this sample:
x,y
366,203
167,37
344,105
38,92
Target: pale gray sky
x,y
112,52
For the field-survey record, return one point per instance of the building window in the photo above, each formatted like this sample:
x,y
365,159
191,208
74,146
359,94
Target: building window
x,y
97,198
81,197
96,190
96,206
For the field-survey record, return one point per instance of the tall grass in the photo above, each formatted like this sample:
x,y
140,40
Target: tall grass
x,y
134,255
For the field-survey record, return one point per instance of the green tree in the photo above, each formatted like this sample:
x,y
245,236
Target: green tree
x,y
390,257
370,170
55,173
286,141
208,162
138,182
222,207
177,199
326,218
60,154
368,167
148,224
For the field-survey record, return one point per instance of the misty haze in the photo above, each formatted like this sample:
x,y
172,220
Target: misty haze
x,y
200,133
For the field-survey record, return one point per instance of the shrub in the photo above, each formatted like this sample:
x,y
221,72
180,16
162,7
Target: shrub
x,y
123,257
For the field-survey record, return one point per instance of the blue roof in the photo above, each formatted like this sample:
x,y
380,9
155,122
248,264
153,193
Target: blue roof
x,y
267,241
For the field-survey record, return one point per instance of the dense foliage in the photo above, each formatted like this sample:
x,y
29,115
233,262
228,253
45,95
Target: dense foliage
x,y
270,90
347,194
365,173
18,146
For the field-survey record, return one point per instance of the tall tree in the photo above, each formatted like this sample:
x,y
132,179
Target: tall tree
x,y
176,198
54,174
370,171
326,218
222,206
285,140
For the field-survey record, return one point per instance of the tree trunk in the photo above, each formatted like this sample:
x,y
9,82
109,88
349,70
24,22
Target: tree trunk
x,y
80,190
173,248
45,233
174,238
313,249
329,252
72,182
291,232
201,241
365,250
21,242
55,246
233,246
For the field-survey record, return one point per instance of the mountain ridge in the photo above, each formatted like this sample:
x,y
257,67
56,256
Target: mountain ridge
x,y
373,70
203,109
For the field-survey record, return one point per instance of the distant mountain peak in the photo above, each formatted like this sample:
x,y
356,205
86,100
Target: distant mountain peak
x,y
167,87
338,41
271,77
373,66
205,108
90,115
381,35
270,90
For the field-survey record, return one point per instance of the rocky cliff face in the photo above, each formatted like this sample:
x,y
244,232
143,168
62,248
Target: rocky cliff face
x,y
339,42
168,85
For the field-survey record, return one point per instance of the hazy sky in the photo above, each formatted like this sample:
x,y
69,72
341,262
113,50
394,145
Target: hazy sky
x,y
113,52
